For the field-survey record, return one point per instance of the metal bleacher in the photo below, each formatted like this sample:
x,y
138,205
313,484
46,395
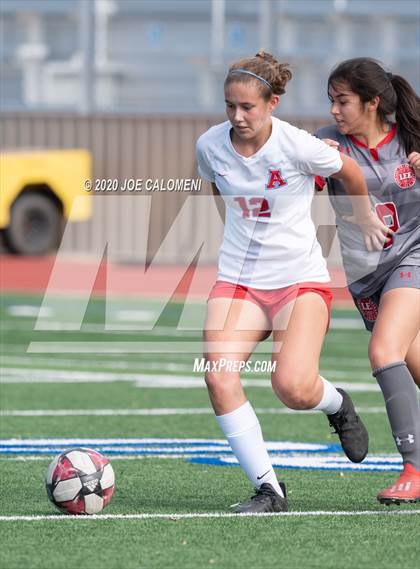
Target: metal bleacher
x,y
171,55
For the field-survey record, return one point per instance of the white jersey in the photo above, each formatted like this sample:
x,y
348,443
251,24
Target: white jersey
x,y
269,239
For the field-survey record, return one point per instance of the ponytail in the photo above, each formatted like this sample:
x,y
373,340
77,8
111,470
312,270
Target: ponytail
x,y
407,114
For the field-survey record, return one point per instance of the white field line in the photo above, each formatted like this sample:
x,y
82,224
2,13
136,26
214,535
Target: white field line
x,y
88,365
186,382
215,444
351,362
140,315
29,311
108,328
110,362
122,348
46,457
347,336
339,466
30,360
141,367
112,326
149,347
347,324
135,315
20,375
157,412
18,356
206,515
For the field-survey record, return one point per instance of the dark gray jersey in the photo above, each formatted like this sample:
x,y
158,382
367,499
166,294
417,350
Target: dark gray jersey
x,y
395,194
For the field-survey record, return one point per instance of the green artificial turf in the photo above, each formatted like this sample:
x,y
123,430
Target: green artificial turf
x,y
175,485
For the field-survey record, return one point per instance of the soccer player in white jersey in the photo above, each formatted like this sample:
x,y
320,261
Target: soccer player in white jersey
x,y
385,286
272,276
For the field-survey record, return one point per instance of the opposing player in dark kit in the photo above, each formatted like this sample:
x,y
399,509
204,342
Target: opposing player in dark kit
x,y
272,275
385,286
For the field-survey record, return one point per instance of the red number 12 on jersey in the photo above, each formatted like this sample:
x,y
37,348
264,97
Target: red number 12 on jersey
x,y
254,207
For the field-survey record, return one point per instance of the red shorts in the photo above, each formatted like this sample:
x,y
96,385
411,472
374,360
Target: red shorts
x,y
272,300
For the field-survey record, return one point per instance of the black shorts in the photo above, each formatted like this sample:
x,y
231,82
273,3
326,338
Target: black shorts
x,y
404,276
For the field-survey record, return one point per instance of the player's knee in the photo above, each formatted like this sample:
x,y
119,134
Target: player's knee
x,y
297,398
382,354
219,382
292,389
213,380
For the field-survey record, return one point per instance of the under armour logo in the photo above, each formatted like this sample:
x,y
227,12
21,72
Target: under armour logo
x,y
408,439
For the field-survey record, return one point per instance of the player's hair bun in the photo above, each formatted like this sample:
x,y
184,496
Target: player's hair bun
x,y
269,68
280,72
266,56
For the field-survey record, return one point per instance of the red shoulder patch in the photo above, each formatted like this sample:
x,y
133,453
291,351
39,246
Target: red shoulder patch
x,y
404,176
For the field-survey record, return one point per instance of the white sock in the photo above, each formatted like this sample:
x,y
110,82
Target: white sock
x,y
243,432
331,399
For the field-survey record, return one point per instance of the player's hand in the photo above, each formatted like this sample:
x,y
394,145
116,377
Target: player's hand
x,y
375,232
331,142
414,161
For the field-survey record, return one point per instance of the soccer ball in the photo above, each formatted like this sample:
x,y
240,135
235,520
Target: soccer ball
x,y
80,481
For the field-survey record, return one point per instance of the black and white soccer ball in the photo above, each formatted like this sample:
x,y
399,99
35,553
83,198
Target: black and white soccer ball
x,y
80,481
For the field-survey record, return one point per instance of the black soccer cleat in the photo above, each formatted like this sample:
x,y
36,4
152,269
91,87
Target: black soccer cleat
x,y
265,499
349,427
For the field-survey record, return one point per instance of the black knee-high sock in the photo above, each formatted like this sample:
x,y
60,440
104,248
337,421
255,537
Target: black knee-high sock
x,y
402,405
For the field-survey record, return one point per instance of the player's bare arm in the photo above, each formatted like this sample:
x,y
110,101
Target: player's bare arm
x,y
374,231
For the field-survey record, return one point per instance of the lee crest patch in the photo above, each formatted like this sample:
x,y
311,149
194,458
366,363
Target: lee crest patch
x,y
368,308
404,176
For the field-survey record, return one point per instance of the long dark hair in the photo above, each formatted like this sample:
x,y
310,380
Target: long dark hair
x,y
368,79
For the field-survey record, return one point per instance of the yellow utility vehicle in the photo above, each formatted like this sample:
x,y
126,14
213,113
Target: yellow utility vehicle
x,y
37,196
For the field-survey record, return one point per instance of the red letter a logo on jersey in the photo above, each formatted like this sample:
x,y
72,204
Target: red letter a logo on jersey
x,y
275,180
